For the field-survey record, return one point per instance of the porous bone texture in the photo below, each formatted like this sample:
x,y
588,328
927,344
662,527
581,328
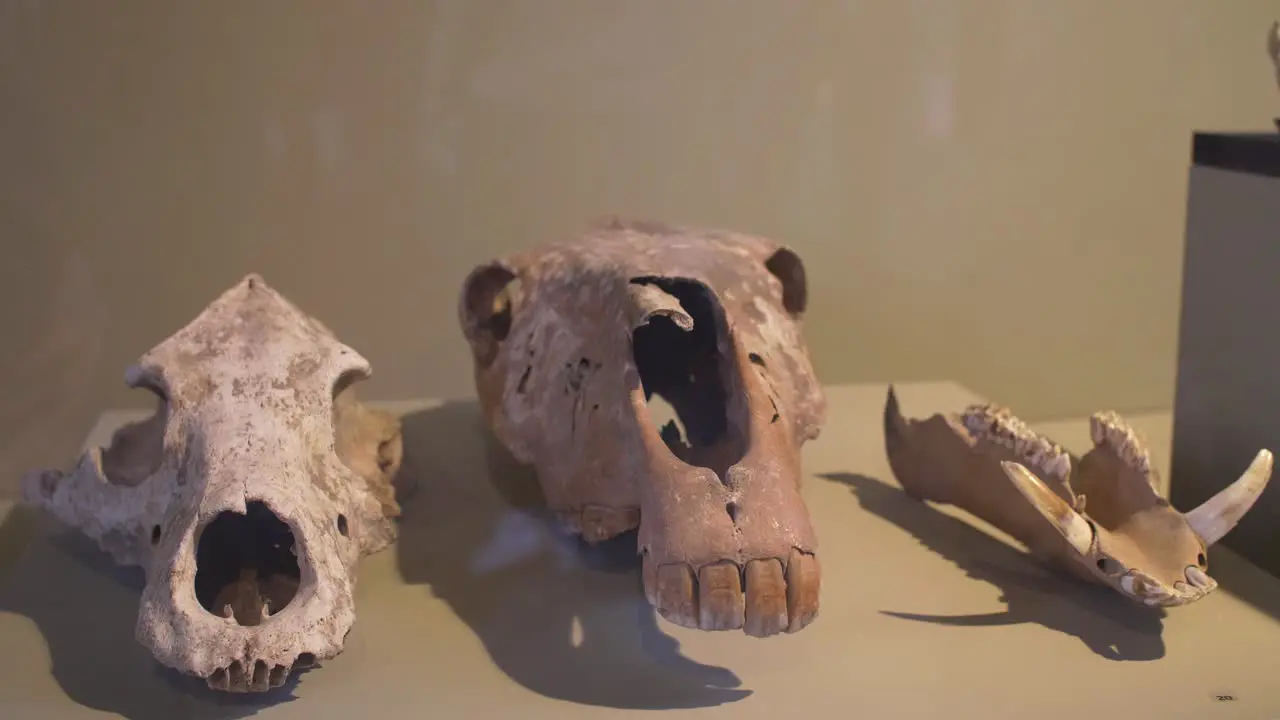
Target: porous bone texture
x,y
571,343
257,419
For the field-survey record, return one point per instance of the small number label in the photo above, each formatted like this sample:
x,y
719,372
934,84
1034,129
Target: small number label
x,y
1224,698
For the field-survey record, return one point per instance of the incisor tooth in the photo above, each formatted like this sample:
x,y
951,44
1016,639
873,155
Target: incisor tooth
x,y
1197,577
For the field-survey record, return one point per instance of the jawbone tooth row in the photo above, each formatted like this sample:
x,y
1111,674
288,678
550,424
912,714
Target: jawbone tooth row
x,y
1110,430
997,424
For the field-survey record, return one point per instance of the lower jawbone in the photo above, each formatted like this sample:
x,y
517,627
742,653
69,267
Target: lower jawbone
x,y
1097,517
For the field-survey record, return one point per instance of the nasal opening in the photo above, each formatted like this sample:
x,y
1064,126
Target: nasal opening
x,y
687,380
246,565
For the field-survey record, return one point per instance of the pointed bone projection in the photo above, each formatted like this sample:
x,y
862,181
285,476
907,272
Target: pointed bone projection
x,y
1097,517
574,344
248,496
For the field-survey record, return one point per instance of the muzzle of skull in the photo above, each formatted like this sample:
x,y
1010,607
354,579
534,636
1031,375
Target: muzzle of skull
x,y
256,579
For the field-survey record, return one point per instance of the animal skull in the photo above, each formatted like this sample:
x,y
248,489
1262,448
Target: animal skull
x,y
571,344
1097,516
247,497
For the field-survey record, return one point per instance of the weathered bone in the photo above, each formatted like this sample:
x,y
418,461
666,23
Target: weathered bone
x,y
649,301
257,425
565,366
1097,517
1218,515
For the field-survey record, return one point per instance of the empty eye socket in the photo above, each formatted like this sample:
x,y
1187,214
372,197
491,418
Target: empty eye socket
x,y
1110,566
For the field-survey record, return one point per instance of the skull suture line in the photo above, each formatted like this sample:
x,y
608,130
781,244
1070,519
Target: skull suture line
x,y
1098,517
248,496
572,341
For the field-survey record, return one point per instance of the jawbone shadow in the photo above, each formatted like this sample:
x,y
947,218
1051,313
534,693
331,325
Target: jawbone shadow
x,y
563,619
1108,625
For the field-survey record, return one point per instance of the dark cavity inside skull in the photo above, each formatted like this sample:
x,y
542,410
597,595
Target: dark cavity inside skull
x,y
656,377
682,367
246,564
247,497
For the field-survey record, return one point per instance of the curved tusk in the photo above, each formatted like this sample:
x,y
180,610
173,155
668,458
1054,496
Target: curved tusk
x,y
1076,530
1219,514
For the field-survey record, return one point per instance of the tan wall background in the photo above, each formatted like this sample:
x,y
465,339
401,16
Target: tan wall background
x,y
990,191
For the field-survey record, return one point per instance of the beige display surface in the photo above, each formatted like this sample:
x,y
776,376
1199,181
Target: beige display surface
x,y
483,610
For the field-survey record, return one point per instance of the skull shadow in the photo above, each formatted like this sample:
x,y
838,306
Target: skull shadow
x,y
85,607
1108,625
564,619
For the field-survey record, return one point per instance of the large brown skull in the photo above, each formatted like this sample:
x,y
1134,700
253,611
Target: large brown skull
x,y
247,497
572,342
1097,516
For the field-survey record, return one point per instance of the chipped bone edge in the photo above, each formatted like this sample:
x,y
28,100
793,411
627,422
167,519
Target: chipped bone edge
x,y
82,498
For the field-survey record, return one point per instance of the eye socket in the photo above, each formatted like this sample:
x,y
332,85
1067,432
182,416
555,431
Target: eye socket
x,y
1201,560
1109,566
342,525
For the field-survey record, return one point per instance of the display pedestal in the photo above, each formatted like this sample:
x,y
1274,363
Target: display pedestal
x,y
1227,403
483,611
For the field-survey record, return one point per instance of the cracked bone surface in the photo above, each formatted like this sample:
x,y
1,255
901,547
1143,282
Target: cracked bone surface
x,y
579,346
1097,516
247,497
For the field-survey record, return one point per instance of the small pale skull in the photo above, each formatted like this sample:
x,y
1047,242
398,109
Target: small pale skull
x,y
575,344
248,496
1098,516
